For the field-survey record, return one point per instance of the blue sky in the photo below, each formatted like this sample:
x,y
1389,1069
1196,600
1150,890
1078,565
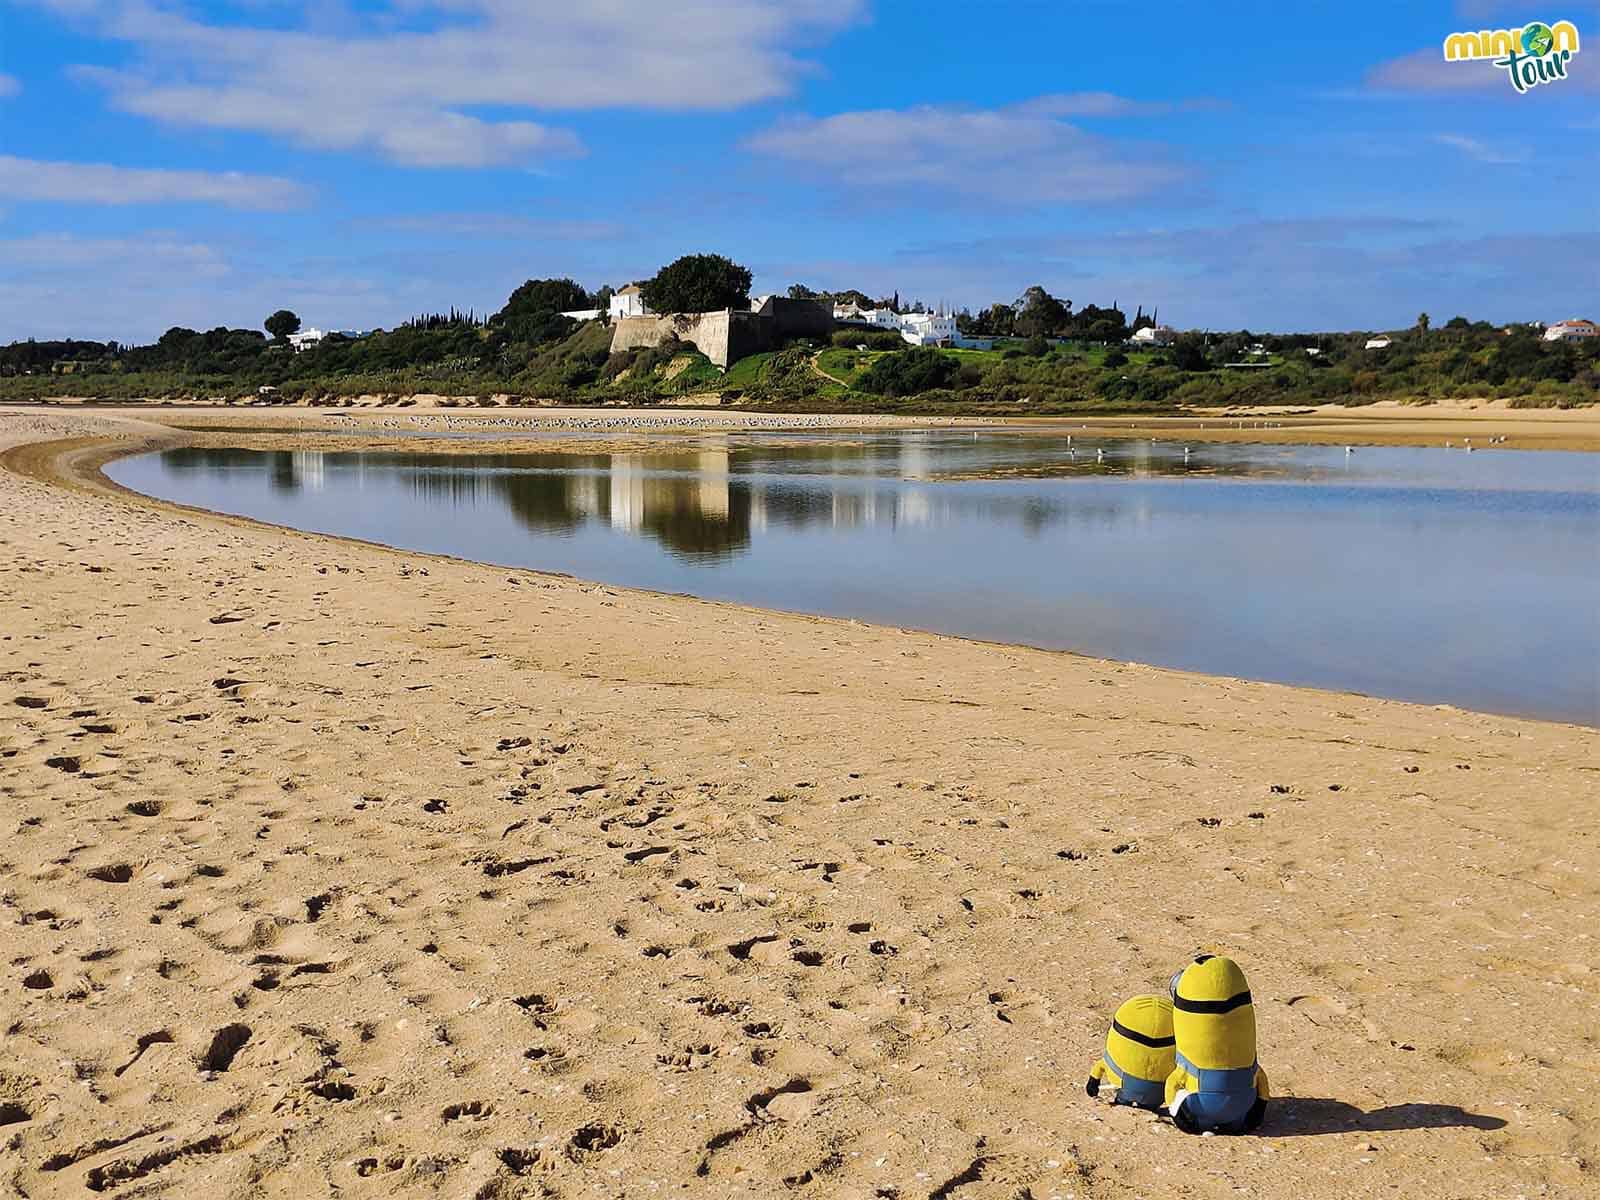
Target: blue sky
x,y
167,163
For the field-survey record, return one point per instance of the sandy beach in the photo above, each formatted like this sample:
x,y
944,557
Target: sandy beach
x,y
335,870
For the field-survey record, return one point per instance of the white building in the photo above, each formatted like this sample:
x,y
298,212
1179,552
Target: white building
x,y
1574,330
628,302
1379,343
306,338
582,314
1154,335
927,329
918,329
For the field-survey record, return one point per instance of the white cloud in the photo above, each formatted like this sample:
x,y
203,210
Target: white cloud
x,y
402,80
133,287
64,285
1019,155
1089,104
1473,148
102,183
10,85
52,253
503,226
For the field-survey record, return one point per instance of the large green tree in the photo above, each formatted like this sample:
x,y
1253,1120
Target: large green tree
x,y
1189,353
1039,314
281,324
540,297
532,313
698,283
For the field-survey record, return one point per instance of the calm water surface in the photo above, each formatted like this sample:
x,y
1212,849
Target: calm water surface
x,y
1423,574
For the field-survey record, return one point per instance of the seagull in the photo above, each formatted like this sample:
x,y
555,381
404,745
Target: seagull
x,y
1349,449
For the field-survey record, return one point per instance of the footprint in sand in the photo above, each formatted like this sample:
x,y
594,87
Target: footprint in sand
x,y
519,1161
691,1058
552,1059
224,1048
467,1110
592,1140
367,1167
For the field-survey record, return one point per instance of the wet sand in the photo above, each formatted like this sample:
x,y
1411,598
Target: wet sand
x,y
330,868
1483,424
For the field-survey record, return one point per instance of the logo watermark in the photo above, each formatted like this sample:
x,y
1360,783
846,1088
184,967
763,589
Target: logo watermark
x,y
1537,53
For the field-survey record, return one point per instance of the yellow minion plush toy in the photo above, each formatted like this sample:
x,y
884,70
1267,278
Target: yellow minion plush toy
x,y
1138,1055
1216,1086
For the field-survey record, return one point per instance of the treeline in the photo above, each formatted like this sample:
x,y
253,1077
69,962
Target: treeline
x,y
1462,360
1049,356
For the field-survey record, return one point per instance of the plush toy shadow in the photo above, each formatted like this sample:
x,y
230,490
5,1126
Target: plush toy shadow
x,y
1303,1116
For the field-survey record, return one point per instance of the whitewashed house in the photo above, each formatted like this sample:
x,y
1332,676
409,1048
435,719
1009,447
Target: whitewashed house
x,y
1154,335
1382,342
1575,330
927,329
628,302
306,338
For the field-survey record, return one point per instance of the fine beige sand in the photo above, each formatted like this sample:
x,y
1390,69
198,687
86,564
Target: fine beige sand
x,y
333,870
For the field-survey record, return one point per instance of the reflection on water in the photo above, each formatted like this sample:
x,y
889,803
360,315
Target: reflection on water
x,y
1417,573
703,506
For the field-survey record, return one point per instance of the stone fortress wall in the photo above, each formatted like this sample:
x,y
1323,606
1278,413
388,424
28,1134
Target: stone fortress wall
x,y
727,335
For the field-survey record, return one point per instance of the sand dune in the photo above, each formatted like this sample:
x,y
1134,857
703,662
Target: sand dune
x,y
334,870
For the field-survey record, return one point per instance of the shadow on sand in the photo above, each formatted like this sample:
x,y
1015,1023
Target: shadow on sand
x,y
1301,1116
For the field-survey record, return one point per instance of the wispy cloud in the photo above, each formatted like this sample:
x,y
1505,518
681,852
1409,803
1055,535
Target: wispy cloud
x,y
1021,155
53,253
1475,149
502,226
132,287
381,83
102,183
1109,104
10,85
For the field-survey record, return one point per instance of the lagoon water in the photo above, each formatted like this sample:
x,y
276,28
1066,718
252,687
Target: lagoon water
x,y
1421,574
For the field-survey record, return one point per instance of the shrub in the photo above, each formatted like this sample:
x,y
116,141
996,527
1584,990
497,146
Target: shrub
x,y
909,372
872,339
